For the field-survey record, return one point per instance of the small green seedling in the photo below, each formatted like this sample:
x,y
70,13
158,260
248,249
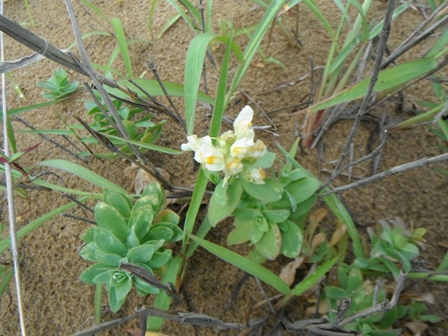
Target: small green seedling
x,y
130,233
58,85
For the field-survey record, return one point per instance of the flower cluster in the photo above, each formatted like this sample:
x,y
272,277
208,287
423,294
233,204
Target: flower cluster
x,y
233,152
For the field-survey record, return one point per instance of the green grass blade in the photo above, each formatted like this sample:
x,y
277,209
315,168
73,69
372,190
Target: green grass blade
x,y
193,69
168,25
439,45
421,117
338,208
219,108
196,200
83,173
24,109
6,243
245,264
184,15
5,281
11,136
387,79
315,9
254,42
201,233
162,300
122,141
92,33
122,44
308,282
153,88
98,303
150,17
28,11
208,17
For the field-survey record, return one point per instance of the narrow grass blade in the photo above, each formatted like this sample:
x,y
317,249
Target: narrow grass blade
x,y
83,173
122,141
92,33
387,79
219,108
342,214
245,264
184,15
153,88
196,200
151,16
208,17
5,243
98,303
193,69
162,300
254,42
315,9
308,282
24,109
122,45
5,277
168,25
420,118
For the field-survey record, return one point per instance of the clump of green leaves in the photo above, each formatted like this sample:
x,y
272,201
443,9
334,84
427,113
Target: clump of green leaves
x,y
362,295
132,233
392,246
271,215
142,129
58,85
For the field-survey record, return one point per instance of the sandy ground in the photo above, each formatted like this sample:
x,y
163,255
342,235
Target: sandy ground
x,y
58,303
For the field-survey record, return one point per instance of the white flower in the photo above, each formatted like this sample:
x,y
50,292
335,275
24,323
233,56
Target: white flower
x,y
210,156
257,150
241,147
256,175
194,143
243,123
233,166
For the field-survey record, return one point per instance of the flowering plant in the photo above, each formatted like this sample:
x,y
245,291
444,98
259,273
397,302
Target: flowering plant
x,y
268,211
233,152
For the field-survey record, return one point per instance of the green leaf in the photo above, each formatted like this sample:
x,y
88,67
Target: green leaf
x,y
88,252
108,217
224,201
107,242
257,233
114,303
83,173
123,290
354,280
104,277
87,236
158,233
108,259
335,293
141,220
159,259
303,189
122,44
304,207
143,288
244,264
178,234
157,196
270,191
142,253
118,201
167,216
387,79
292,240
309,281
132,240
271,242
241,234
266,161
276,216
153,88
93,271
